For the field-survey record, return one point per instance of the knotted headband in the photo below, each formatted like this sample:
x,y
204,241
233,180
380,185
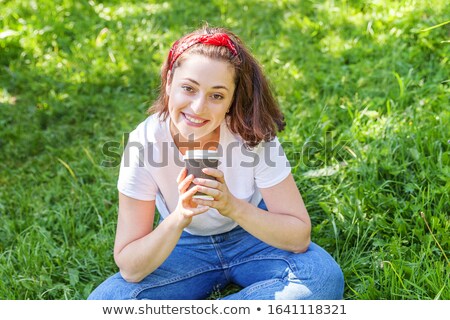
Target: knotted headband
x,y
216,39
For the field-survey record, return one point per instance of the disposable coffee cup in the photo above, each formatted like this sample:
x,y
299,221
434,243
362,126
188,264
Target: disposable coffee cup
x,y
195,161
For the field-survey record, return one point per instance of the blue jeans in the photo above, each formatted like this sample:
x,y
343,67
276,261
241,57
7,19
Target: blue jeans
x,y
200,265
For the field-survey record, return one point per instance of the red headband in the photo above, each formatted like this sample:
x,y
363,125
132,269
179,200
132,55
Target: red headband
x,y
216,39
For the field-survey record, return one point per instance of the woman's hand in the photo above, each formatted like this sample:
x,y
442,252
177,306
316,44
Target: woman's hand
x,y
223,201
186,208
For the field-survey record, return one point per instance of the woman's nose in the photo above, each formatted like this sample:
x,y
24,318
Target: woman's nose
x,y
198,105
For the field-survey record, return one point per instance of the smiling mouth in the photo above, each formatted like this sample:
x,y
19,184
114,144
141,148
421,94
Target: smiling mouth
x,y
194,121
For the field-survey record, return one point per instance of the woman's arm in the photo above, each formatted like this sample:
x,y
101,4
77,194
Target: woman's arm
x,y
138,249
286,224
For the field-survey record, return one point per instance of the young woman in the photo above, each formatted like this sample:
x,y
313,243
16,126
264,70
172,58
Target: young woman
x,y
256,231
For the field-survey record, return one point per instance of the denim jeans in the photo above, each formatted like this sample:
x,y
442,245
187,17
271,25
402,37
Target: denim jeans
x,y
201,265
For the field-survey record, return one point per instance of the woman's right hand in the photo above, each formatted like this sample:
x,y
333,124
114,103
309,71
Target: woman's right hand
x,y
186,208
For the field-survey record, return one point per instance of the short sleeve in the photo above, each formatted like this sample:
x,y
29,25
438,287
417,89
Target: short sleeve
x,y
272,164
135,179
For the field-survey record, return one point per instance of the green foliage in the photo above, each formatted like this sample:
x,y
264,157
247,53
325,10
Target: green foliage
x,y
364,86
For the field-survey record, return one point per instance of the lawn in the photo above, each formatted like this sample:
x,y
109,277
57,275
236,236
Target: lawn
x,y
364,86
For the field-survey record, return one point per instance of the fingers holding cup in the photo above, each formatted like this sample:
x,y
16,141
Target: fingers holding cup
x,y
196,161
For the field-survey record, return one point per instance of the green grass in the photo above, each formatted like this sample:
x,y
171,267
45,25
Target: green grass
x,y
364,89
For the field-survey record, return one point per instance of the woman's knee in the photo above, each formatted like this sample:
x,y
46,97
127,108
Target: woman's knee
x,y
335,281
113,288
100,294
321,274
331,278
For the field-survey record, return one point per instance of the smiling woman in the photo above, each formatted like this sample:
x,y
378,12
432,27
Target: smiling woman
x,y
253,113
253,230
200,94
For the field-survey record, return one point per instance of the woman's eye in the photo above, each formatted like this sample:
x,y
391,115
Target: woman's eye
x,y
187,88
217,96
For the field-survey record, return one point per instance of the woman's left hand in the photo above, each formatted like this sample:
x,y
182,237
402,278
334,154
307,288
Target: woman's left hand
x,y
223,201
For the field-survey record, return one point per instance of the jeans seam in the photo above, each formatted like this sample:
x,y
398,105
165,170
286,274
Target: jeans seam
x,y
191,274
291,265
221,259
258,287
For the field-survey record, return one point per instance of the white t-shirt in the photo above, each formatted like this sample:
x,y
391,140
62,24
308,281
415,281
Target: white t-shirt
x,y
151,163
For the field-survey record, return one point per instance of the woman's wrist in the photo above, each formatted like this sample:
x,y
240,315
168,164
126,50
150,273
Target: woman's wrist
x,y
235,209
177,222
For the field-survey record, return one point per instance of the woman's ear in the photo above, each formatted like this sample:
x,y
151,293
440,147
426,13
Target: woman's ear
x,y
168,82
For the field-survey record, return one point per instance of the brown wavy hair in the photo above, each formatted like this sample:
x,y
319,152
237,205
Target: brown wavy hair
x,y
254,113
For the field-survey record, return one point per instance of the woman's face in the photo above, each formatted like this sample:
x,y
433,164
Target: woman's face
x,y
200,95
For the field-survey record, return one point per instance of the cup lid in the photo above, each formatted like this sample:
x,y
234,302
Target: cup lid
x,y
201,154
